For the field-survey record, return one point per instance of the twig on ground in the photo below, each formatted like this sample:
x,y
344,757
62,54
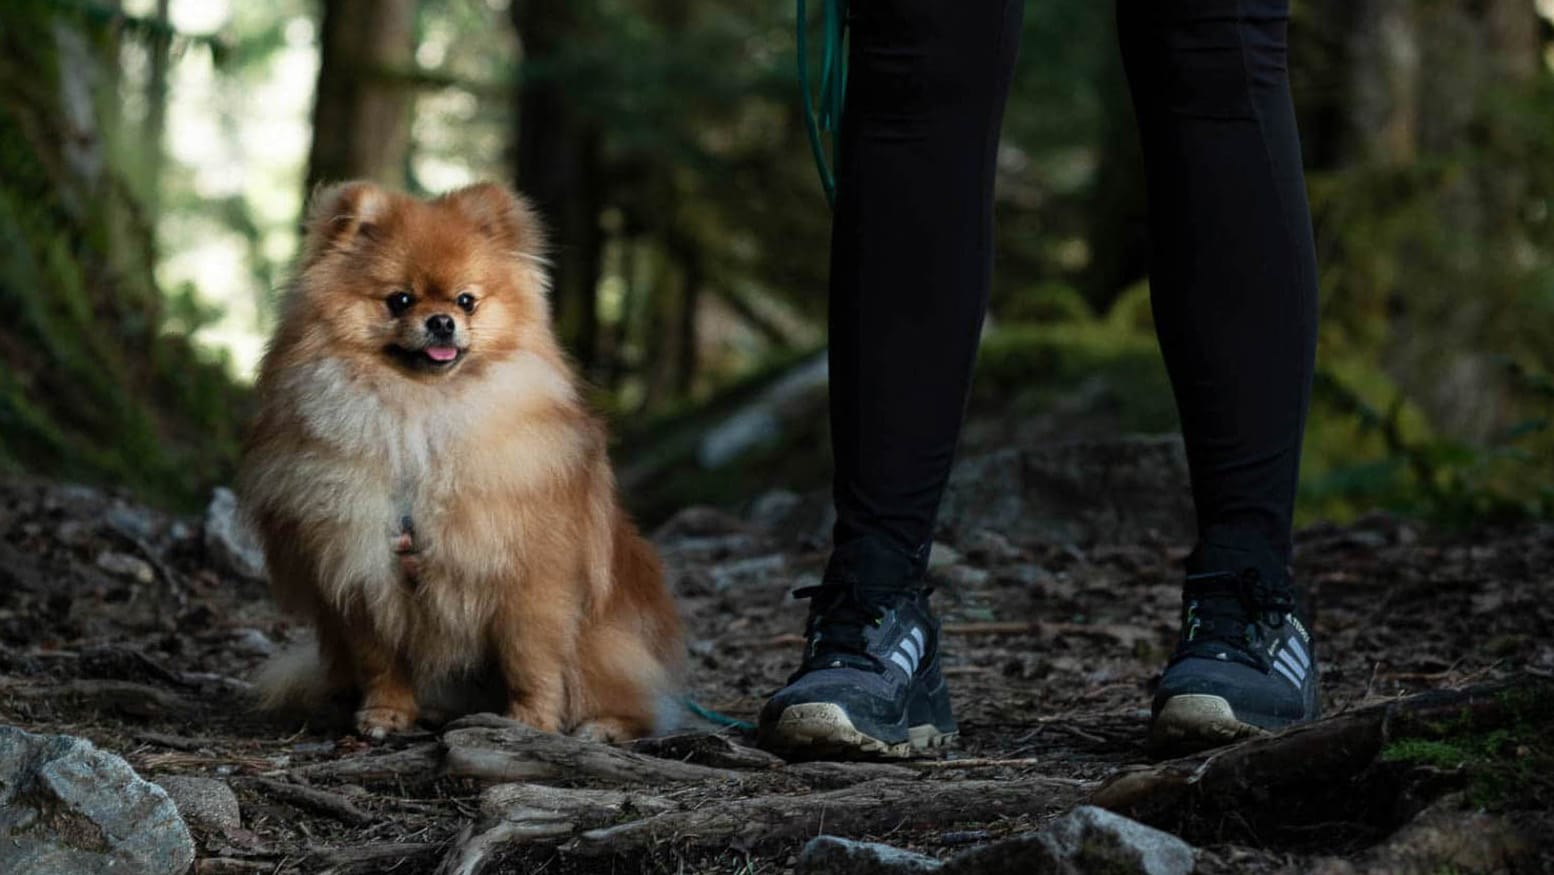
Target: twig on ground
x,y
321,801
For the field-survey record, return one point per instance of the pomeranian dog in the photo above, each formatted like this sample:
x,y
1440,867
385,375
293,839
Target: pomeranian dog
x,y
431,493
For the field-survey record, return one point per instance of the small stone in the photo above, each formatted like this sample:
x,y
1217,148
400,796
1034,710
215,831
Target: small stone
x,y
989,547
135,522
943,556
205,803
1087,839
253,642
1099,840
73,533
772,509
125,565
697,521
67,808
229,543
964,577
1026,574
829,855
746,571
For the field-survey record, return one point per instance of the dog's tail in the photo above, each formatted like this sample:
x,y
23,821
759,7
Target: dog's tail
x,y
295,679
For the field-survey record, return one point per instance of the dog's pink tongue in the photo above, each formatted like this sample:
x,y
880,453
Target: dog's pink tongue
x,y
441,353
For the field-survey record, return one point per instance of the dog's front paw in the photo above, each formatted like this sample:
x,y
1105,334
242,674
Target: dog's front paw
x,y
379,723
538,718
607,730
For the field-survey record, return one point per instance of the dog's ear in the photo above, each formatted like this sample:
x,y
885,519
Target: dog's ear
x,y
341,213
503,216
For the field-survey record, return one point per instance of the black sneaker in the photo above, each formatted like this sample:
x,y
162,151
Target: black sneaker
x,y
869,685
1245,662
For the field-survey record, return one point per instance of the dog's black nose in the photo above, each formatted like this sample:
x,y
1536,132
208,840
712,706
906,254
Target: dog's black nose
x,y
440,325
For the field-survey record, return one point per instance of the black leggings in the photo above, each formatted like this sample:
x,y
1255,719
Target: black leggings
x,y
1233,273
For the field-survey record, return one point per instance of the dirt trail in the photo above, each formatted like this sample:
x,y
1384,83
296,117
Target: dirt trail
x,y
117,625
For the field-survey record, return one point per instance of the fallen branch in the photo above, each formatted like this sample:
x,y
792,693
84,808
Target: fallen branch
x,y
826,775
985,763
316,800
707,749
413,765
515,752
124,697
377,856
513,814
871,808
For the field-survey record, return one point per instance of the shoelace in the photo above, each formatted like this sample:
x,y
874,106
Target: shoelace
x,y
1227,611
839,614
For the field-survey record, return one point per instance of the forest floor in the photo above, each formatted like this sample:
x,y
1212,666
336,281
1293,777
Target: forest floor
x,y
118,625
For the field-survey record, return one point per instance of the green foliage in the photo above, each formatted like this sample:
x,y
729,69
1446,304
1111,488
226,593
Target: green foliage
x,y
1509,767
90,388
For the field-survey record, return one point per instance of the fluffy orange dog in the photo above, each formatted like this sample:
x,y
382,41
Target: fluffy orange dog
x,y
429,489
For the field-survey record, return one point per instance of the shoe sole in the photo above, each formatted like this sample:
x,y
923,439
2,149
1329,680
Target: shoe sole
x,y
1196,721
822,729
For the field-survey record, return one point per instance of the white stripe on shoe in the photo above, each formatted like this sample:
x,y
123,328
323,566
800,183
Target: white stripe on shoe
x,y
1300,653
1283,670
1291,665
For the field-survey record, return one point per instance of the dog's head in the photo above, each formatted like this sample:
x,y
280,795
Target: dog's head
x,y
431,289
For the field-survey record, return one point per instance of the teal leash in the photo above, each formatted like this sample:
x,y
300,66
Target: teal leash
x,y
833,85
714,717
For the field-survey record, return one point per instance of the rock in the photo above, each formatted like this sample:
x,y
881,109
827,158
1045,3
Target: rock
x,y
709,548
771,509
794,520
697,521
964,577
254,642
1098,840
1025,574
229,543
205,803
758,569
1087,839
67,808
1447,838
1119,491
942,556
988,547
829,855
125,565
135,522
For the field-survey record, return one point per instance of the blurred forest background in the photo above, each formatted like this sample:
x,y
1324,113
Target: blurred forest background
x,y
155,155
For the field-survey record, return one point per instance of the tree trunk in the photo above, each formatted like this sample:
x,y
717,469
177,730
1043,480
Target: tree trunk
x,y
557,164
156,110
361,115
686,353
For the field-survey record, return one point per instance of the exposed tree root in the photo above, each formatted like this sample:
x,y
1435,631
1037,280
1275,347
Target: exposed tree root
x,y
874,807
1327,772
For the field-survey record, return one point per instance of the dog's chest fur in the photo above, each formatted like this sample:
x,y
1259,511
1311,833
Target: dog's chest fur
x,y
437,454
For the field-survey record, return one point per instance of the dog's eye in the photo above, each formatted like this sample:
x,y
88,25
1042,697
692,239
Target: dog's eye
x,y
466,302
399,302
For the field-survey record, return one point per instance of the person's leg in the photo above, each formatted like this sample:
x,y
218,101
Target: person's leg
x,y
910,266
1234,290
